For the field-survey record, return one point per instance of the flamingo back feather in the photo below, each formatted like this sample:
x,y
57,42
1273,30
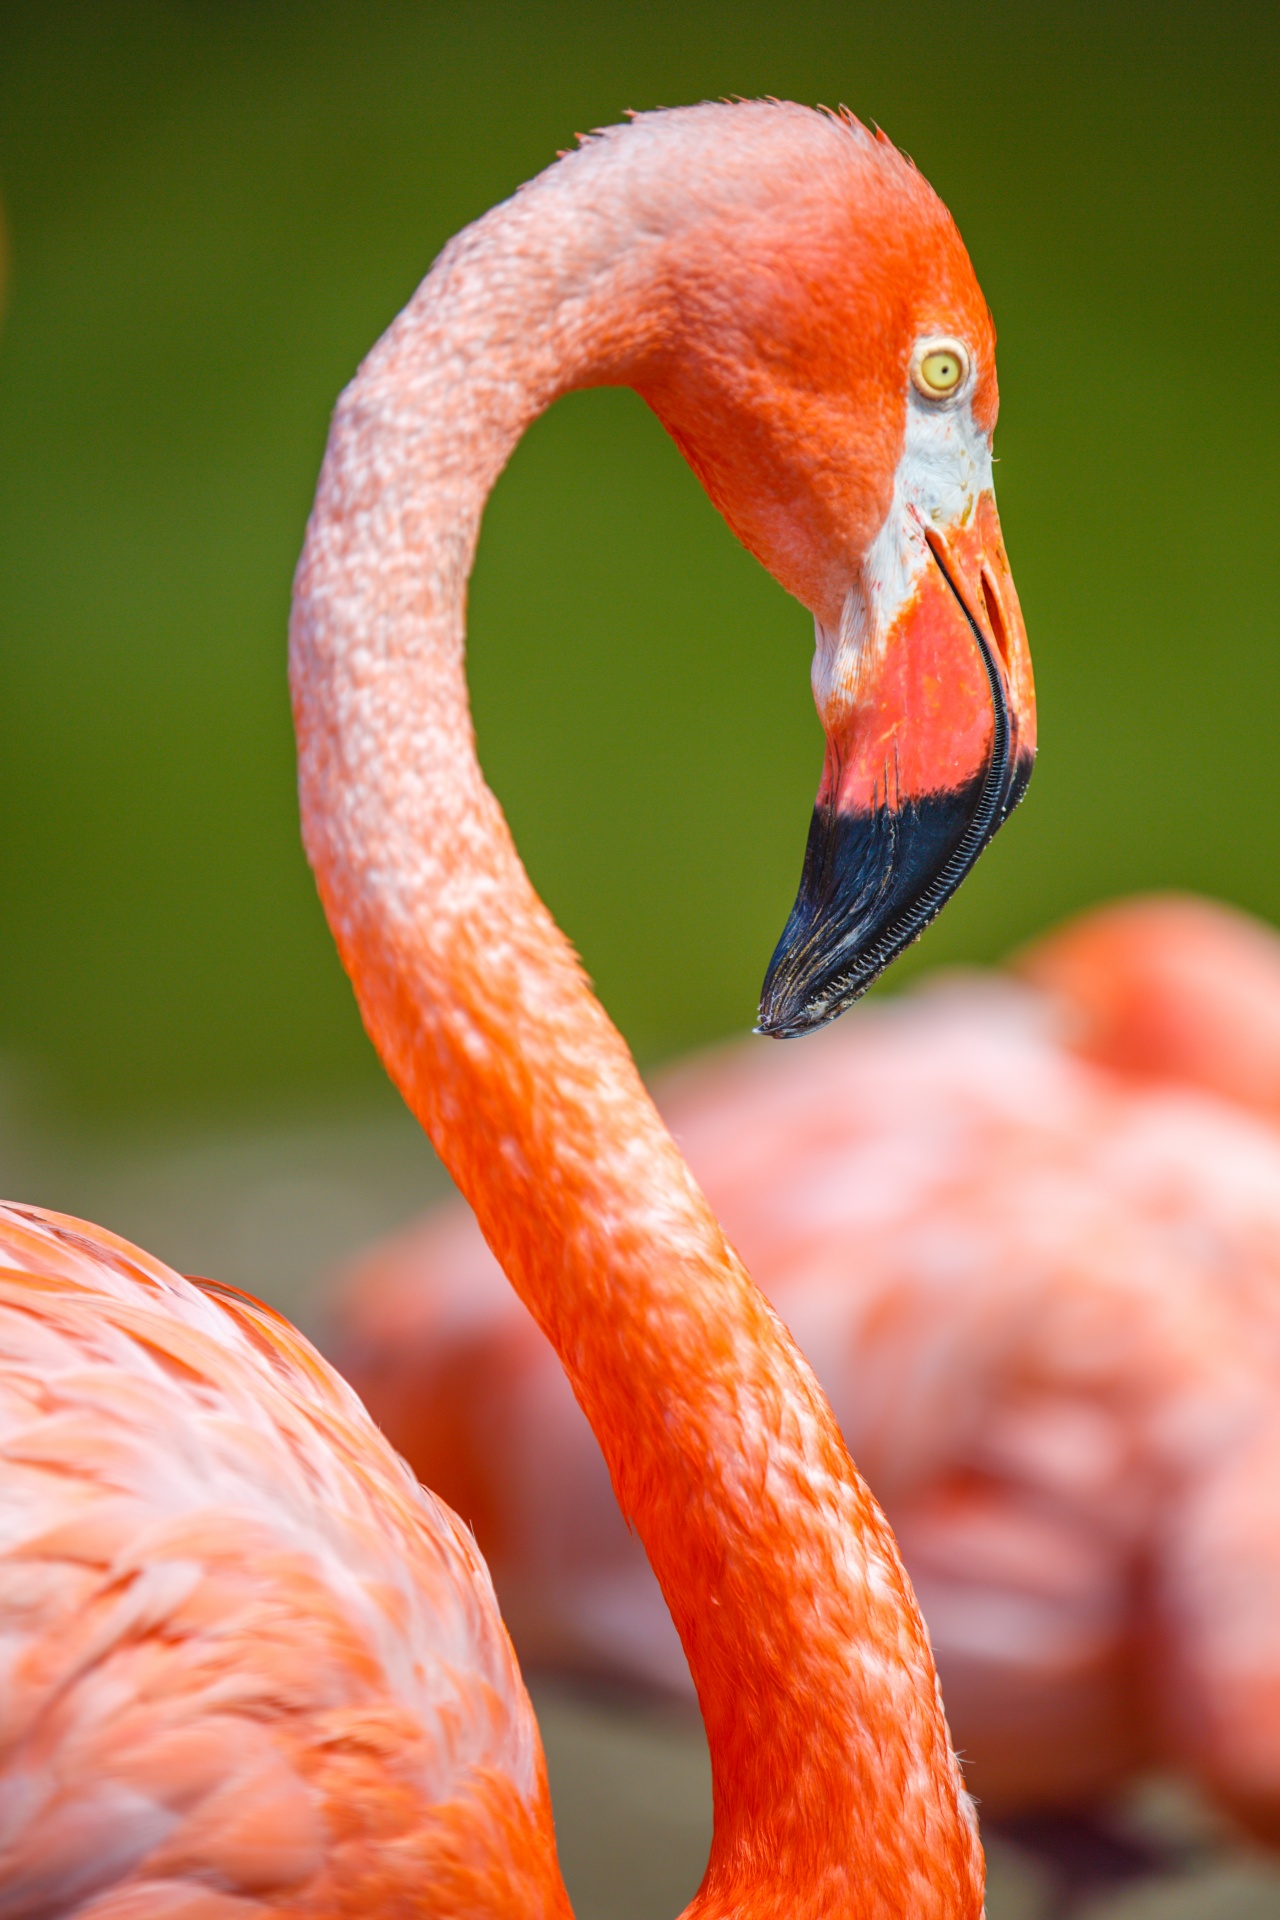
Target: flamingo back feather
x,y
249,1665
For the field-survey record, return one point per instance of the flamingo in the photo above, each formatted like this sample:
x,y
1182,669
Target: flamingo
x,y
251,1666
1040,1283
1167,987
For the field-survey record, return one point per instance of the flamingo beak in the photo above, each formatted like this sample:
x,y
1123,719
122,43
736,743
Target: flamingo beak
x,y
930,744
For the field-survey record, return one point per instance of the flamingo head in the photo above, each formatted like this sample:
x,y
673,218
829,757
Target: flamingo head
x,y
826,361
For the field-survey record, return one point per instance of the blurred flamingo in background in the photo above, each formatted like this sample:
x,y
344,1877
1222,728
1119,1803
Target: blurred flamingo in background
x,y
250,1666
1167,987
1029,1237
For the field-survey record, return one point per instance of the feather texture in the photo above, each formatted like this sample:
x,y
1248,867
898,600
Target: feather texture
x,y
248,1662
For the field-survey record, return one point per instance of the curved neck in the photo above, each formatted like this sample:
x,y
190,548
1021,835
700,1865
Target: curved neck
x,y
835,1788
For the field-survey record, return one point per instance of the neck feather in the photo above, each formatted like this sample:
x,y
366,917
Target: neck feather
x,y
835,1787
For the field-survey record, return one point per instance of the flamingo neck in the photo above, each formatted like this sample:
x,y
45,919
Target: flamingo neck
x,y
835,1788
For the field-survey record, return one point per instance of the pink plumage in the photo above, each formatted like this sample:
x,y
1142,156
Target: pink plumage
x,y
249,1663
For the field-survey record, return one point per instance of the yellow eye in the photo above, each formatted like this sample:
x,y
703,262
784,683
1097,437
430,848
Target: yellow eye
x,y
939,368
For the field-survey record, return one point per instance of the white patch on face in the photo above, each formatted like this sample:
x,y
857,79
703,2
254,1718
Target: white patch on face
x,y
945,466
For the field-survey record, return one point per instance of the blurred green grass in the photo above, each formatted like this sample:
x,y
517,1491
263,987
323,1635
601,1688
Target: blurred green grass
x,y
215,208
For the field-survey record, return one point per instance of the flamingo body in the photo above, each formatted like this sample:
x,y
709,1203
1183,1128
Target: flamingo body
x,y
1043,1297
251,1666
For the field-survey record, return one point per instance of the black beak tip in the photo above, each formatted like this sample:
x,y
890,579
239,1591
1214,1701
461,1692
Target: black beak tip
x,y
872,882
805,990
797,999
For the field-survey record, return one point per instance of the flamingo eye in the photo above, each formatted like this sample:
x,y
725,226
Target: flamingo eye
x,y
939,368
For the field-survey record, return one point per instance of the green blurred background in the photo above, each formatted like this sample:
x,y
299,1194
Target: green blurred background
x,y
215,208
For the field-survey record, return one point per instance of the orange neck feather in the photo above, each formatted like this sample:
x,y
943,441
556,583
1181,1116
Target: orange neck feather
x,y
835,1787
